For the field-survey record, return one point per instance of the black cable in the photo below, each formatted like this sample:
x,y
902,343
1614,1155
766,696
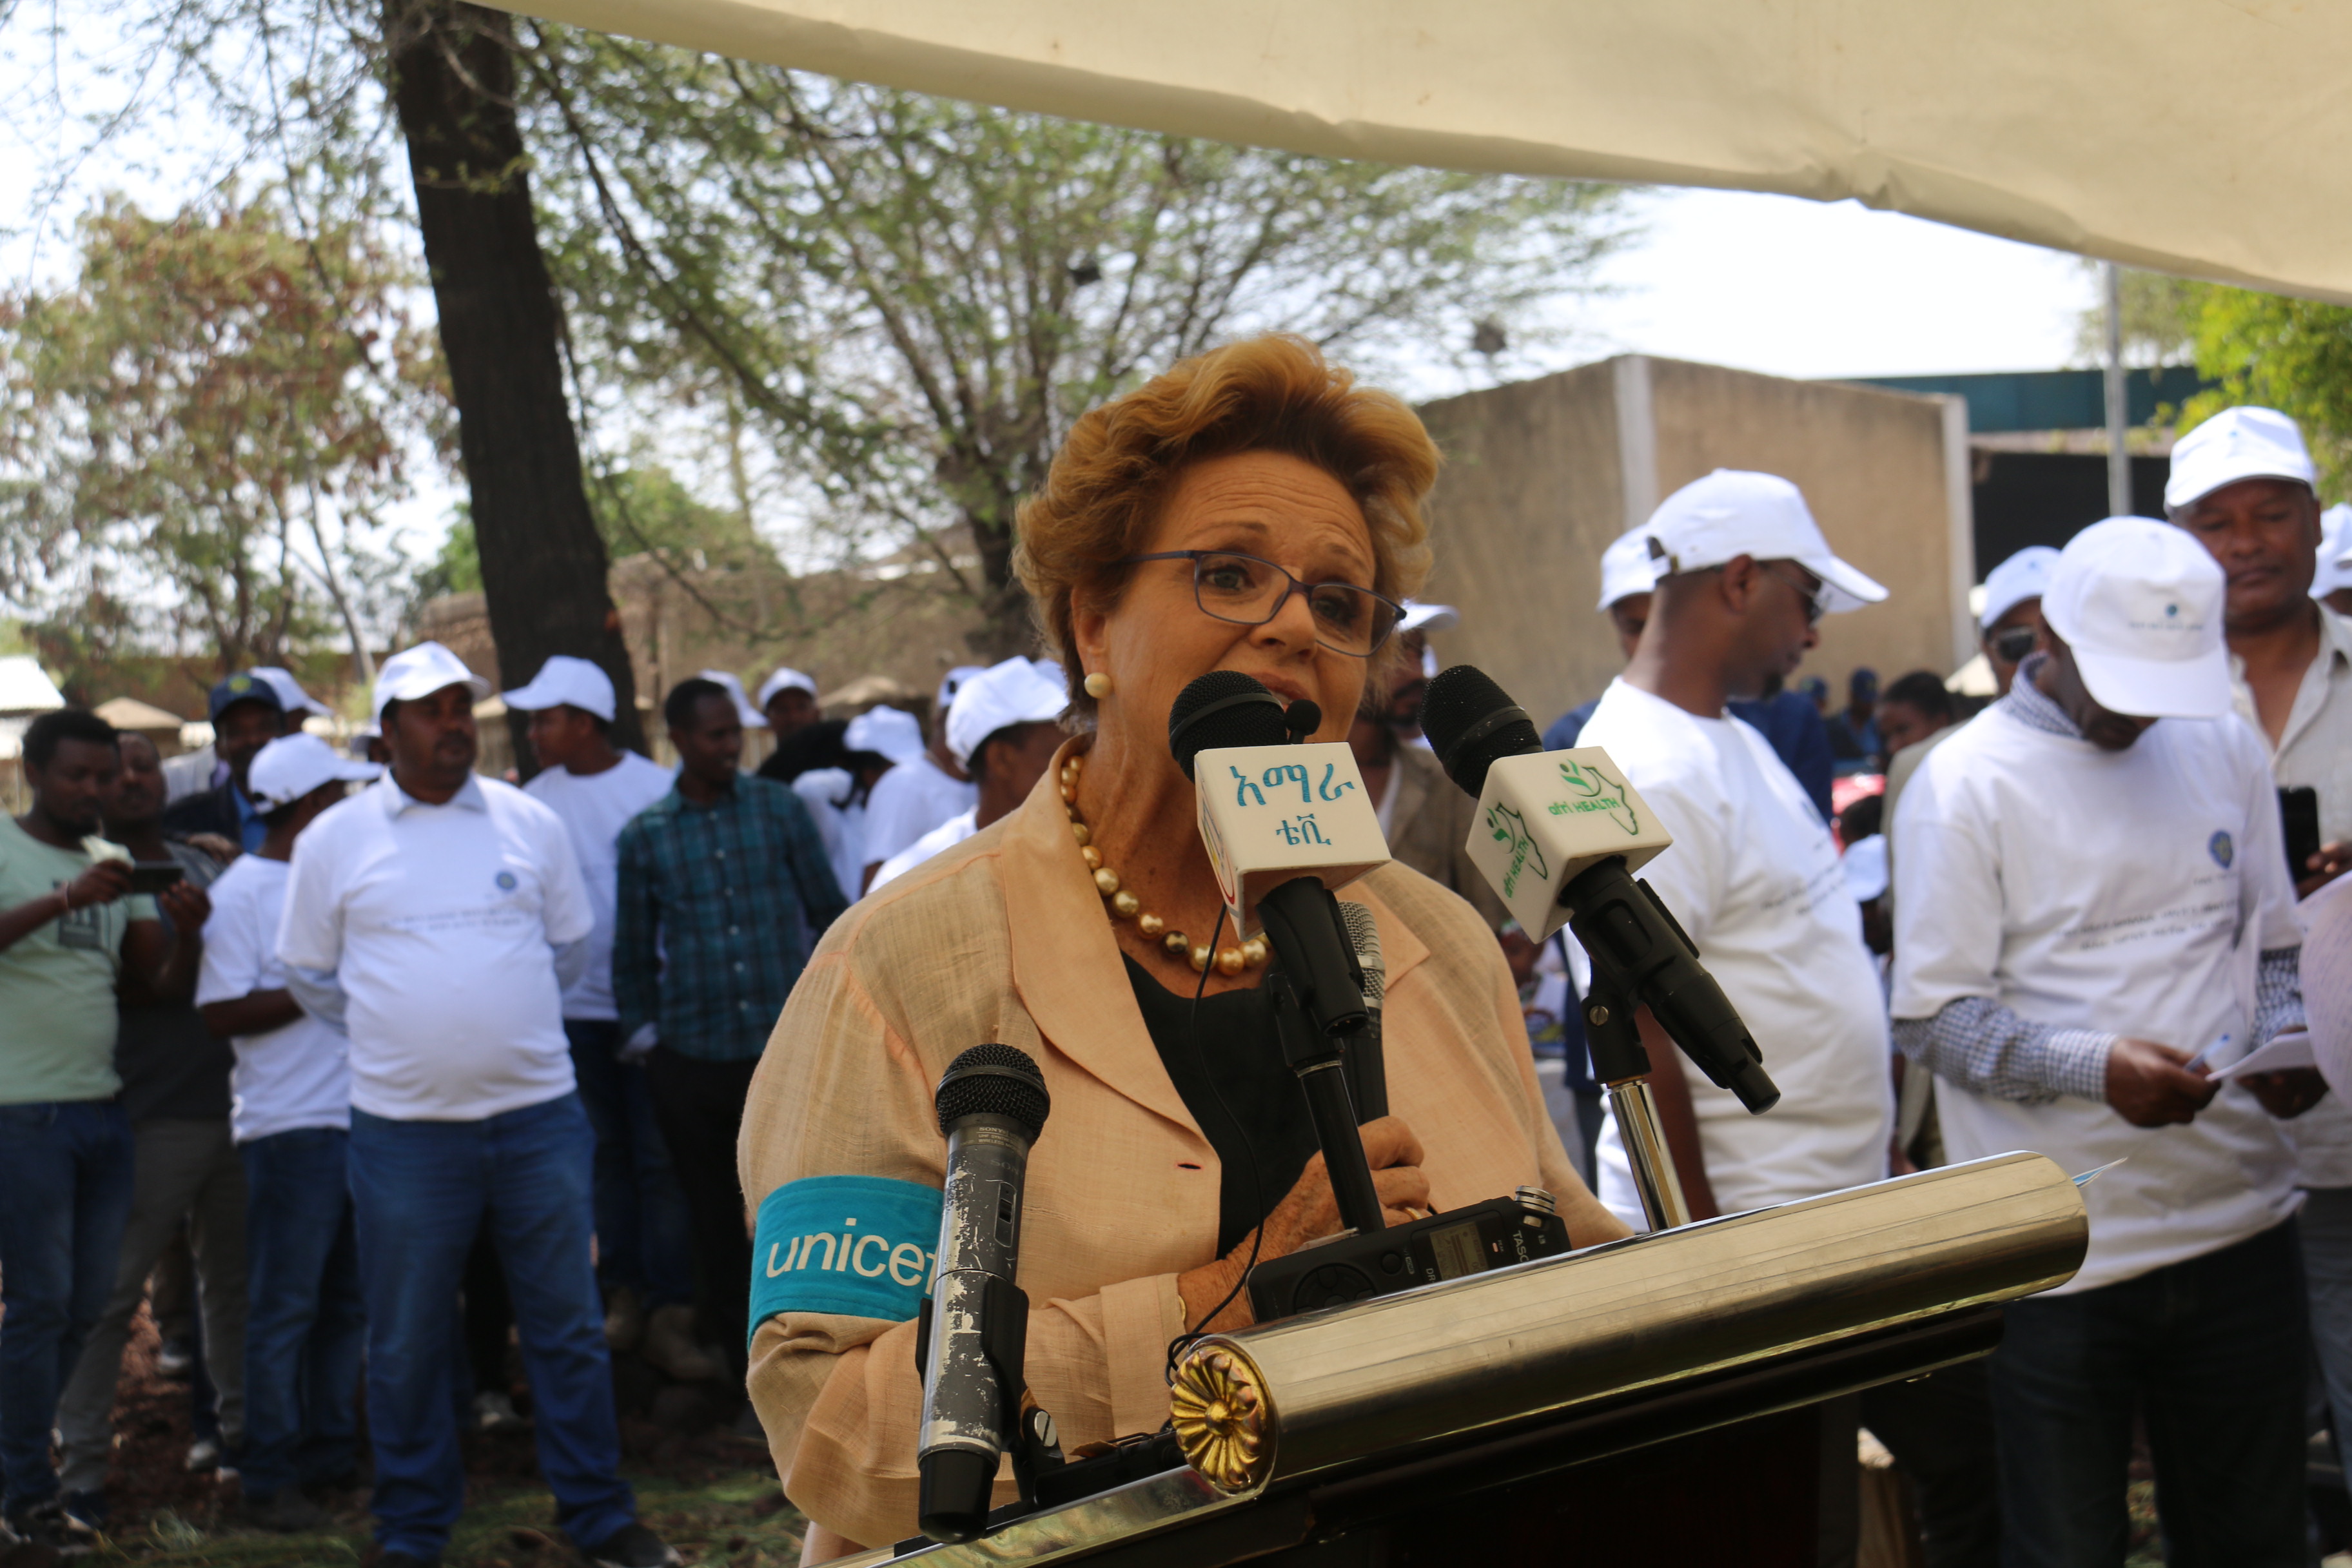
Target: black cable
x,y
1181,1342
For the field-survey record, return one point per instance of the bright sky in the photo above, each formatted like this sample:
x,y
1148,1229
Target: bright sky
x,y
1765,283
1796,287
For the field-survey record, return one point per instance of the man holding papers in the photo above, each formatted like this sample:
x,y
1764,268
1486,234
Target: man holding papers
x,y
2092,890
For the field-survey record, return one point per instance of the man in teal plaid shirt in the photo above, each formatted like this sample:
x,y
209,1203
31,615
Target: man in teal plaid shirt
x,y
724,887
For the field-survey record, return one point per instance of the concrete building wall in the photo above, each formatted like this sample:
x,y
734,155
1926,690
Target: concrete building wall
x,y
1531,494
1541,475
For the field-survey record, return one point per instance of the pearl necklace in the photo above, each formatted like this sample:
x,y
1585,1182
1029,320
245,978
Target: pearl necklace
x,y
1124,905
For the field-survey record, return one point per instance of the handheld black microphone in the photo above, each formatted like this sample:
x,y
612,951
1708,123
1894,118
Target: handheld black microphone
x,y
1638,950
992,1105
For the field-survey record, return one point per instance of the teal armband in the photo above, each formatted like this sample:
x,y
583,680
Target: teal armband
x,y
861,1246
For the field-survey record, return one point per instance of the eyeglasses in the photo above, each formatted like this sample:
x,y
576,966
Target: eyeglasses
x,y
1249,592
2012,646
1812,589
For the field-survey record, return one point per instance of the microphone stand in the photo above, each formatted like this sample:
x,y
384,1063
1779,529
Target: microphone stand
x,y
1314,1057
1621,1063
1641,955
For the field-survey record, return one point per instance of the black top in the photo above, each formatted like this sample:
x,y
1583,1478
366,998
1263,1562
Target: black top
x,y
172,1067
1236,1049
207,811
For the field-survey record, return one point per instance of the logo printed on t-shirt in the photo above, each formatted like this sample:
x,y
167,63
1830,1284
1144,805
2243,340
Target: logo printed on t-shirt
x,y
2220,847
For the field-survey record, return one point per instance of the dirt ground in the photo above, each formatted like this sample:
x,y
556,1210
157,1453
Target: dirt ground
x,y
712,1496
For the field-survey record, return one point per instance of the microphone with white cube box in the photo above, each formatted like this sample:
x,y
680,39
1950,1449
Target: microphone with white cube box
x,y
1284,824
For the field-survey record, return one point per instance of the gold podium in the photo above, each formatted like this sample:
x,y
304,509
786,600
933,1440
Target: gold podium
x,y
1655,1401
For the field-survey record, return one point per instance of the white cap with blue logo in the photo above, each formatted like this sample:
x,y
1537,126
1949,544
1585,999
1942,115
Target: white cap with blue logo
x,y
2140,604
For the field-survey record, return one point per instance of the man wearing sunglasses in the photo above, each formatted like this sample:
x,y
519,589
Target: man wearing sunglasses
x,y
1743,579
2012,611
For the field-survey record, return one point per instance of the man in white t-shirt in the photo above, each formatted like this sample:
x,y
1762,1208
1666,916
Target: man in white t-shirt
x,y
1743,576
916,795
1000,730
290,1114
2242,485
1753,875
2091,897
440,914
641,1224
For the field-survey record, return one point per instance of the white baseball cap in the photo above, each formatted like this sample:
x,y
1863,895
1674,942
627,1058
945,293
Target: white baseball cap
x,y
2244,443
1011,692
752,717
1626,568
2139,602
891,732
291,766
2335,552
1865,868
290,695
565,681
421,671
785,680
1733,512
951,683
2025,575
1420,618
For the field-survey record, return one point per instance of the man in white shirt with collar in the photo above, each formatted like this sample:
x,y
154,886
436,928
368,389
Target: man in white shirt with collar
x,y
2091,893
436,916
2242,485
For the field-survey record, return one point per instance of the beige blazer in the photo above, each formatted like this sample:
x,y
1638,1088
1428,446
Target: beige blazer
x,y
1004,938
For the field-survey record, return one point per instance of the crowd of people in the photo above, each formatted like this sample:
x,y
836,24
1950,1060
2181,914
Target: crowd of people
x,y
391,1058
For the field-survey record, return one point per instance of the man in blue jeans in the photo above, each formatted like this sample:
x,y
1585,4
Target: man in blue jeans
x,y
2092,914
291,1123
71,932
438,915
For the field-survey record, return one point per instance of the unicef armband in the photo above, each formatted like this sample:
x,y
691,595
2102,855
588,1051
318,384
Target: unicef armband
x,y
861,1246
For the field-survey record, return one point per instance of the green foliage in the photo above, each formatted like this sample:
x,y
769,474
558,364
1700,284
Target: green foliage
x,y
217,414
900,303
646,509
638,511
2294,355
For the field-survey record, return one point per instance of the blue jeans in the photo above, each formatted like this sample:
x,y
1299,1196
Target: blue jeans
x,y
2211,1353
643,1226
419,1191
304,1326
65,1196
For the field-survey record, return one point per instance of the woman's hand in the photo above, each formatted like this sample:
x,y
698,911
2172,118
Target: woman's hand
x,y
1308,1213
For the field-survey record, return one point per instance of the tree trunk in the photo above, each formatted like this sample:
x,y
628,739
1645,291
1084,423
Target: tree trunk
x,y
543,564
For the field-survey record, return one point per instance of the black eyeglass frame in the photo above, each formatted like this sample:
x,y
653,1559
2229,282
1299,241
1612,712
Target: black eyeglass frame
x,y
1396,611
1816,598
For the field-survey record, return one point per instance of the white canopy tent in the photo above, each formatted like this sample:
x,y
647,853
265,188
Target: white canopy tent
x,y
2202,137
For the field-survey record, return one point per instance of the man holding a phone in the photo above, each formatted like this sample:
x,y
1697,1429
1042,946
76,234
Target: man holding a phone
x,y
2242,486
175,1091
70,931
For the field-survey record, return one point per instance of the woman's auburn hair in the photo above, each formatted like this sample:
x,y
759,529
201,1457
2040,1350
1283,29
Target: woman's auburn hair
x,y
1272,393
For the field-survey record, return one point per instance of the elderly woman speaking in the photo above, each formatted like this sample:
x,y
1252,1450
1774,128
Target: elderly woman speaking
x,y
1251,509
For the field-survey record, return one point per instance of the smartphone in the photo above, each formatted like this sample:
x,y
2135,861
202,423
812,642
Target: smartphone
x,y
2299,812
154,876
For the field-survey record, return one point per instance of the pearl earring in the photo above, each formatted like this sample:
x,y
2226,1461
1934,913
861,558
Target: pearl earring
x,y
1099,684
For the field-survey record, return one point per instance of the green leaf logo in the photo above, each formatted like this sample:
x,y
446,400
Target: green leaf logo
x,y
1592,790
